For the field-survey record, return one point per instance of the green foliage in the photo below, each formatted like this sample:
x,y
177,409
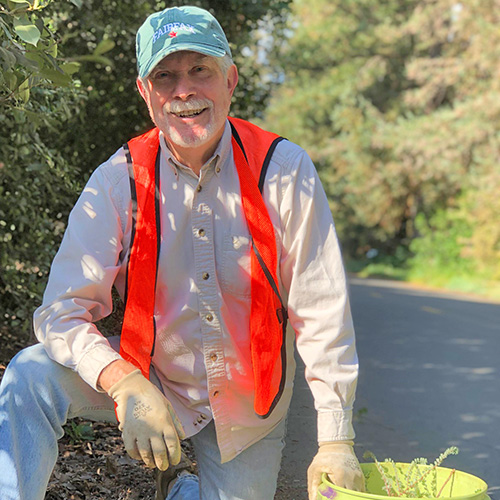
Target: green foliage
x,y
418,481
37,97
398,104
439,248
36,191
68,101
79,432
28,50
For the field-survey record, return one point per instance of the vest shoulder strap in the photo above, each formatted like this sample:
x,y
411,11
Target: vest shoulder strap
x,y
138,331
263,144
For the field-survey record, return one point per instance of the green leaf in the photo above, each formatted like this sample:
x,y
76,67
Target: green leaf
x,y
40,24
103,47
70,68
8,58
52,49
31,59
78,3
26,30
19,6
24,91
56,77
10,80
95,59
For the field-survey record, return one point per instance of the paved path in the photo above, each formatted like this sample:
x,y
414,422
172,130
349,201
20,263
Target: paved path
x,y
429,379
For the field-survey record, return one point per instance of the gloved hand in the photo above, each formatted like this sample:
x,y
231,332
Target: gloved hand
x,y
149,425
338,460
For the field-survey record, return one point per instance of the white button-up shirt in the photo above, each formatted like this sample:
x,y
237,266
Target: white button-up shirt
x,y
202,348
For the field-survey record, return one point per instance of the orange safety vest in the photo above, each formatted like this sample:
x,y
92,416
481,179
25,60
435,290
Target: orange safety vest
x,y
252,151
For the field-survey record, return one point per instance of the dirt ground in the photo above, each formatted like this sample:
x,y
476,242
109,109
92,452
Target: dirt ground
x,y
93,464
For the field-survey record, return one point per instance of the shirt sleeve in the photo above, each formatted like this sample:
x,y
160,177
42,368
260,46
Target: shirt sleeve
x,y
312,273
82,275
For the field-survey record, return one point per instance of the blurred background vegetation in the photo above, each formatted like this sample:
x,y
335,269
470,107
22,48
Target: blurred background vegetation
x,y
397,102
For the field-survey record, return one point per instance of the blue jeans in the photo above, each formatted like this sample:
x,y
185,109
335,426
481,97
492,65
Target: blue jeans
x,y
38,396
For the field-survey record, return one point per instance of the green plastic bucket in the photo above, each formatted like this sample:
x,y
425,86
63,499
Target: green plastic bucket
x,y
460,486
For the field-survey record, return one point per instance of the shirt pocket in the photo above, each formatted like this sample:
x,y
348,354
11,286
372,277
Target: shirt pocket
x,y
236,265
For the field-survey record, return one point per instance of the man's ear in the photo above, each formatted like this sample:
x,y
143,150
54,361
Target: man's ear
x,y
232,78
142,90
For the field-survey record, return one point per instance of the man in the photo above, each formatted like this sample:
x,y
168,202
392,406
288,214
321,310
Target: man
x,y
210,270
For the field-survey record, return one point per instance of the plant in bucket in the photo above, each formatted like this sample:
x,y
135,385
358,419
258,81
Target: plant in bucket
x,y
417,479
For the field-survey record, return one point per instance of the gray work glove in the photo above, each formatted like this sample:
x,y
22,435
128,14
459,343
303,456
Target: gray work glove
x,y
150,428
338,460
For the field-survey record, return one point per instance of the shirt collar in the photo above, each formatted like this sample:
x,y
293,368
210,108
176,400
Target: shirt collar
x,y
216,161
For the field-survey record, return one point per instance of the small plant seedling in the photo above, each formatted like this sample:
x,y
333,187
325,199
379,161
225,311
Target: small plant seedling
x,y
419,480
78,433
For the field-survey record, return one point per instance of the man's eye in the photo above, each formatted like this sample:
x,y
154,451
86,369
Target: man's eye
x,y
161,74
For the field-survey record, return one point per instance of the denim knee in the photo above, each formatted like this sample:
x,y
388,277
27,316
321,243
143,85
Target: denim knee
x,y
29,368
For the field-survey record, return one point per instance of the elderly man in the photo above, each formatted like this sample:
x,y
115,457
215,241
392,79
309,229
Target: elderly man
x,y
217,234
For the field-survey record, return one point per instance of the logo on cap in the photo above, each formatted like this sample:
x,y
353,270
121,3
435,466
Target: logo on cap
x,y
172,29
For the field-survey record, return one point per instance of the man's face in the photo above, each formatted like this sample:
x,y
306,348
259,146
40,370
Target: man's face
x,y
188,98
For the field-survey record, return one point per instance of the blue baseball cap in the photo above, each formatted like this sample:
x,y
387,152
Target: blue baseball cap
x,y
175,29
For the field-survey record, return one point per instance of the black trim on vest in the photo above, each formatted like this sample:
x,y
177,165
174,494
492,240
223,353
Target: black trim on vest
x,y
158,230
267,160
238,140
133,197
157,210
283,373
281,313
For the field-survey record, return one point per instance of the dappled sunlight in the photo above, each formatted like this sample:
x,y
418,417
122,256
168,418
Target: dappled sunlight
x,y
92,269
467,341
171,220
429,375
90,190
472,435
477,371
89,210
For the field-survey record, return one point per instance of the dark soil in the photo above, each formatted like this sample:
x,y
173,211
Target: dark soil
x,y
93,464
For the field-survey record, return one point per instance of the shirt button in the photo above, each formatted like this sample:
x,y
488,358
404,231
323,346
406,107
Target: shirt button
x,y
201,232
199,188
213,357
205,276
209,317
217,170
203,416
216,394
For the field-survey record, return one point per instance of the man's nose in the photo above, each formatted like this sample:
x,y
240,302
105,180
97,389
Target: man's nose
x,y
184,88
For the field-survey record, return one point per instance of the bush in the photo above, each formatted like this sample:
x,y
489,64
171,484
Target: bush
x,y
439,249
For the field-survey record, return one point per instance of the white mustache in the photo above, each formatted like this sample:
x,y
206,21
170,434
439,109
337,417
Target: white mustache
x,y
191,105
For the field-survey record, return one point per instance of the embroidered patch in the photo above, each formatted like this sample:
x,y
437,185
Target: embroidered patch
x,y
172,29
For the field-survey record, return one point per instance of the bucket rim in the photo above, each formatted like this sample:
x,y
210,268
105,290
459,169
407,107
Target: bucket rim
x,y
480,493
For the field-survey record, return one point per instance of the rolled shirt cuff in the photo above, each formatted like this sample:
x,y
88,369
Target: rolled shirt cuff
x,y
335,426
93,362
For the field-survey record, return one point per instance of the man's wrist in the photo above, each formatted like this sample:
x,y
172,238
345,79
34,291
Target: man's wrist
x,y
113,373
324,443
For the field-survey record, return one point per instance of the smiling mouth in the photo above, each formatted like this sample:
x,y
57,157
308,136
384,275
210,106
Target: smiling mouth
x,y
189,113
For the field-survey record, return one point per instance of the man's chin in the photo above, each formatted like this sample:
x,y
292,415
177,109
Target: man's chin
x,y
188,140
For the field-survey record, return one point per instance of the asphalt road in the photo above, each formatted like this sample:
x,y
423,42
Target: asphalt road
x,y
429,379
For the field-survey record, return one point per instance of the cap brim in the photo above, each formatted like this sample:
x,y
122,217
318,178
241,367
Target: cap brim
x,y
202,49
